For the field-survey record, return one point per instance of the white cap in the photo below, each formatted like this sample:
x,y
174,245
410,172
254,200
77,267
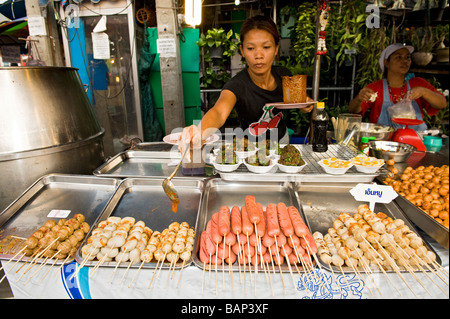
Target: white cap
x,y
391,49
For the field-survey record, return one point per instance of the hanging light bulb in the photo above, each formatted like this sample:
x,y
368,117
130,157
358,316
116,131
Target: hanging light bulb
x,y
193,12
237,2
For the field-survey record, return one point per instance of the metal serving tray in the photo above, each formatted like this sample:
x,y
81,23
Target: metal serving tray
x,y
87,195
140,164
425,222
321,204
144,199
219,192
310,173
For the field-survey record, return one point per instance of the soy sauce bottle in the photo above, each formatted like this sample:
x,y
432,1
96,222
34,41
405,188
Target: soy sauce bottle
x,y
319,128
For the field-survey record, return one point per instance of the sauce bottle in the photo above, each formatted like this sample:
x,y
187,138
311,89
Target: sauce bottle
x,y
364,146
320,126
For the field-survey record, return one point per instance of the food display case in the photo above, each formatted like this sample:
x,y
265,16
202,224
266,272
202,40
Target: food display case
x,y
129,185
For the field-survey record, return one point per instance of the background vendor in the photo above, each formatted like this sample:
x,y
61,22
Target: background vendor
x,y
395,62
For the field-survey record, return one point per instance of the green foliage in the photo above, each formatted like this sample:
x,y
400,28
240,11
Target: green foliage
x,y
216,71
374,44
304,37
441,119
349,28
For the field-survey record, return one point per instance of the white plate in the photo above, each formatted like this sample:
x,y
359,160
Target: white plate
x,y
173,138
286,106
290,169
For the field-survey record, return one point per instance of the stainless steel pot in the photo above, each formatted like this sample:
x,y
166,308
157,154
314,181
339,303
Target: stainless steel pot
x,y
47,125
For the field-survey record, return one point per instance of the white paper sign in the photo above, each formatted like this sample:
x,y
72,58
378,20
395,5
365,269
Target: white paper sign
x,y
59,213
166,47
36,25
373,193
100,45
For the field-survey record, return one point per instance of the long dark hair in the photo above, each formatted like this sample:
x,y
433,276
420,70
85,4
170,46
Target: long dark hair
x,y
262,23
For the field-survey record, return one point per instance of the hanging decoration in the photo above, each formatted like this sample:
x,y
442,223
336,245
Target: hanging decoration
x,y
323,20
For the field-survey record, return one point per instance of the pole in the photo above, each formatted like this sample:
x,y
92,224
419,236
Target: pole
x,y
170,65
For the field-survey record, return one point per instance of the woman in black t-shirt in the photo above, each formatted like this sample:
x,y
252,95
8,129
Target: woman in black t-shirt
x,y
250,90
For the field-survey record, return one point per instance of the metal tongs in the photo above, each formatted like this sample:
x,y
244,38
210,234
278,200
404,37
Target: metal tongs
x,y
168,187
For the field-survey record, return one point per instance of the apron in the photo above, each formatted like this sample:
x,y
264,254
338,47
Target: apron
x,y
385,119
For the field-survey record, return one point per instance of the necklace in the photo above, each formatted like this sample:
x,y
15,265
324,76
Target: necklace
x,y
395,98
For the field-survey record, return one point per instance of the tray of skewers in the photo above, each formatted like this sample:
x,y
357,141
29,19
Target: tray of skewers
x,y
249,226
138,229
56,209
351,238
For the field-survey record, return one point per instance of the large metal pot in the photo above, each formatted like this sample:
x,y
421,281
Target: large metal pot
x,y
47,125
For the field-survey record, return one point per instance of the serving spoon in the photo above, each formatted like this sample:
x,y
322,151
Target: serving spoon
x,y
168,187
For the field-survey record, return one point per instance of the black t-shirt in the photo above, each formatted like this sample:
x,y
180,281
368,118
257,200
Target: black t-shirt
x,y
251,100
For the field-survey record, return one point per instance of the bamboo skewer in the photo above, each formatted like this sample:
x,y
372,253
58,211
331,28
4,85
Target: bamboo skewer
x,y
153,276
181,271
397,271
346,280
117,266
203,277
14,265
12,258
367,271
30,259
126,271
135,275
278,260
62,265
238,257
359,276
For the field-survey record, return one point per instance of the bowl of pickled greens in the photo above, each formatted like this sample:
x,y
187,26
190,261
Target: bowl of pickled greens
x,y
259,163
290,160
226,160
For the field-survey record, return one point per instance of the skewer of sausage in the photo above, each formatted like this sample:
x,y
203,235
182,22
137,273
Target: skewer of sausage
x,y
224,227
236,228
247,230
287,229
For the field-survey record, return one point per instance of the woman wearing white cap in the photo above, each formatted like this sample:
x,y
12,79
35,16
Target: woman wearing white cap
x,y
395,62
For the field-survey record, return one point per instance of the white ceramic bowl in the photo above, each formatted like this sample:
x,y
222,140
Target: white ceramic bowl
x,y
334,170
290,169
368,165
226,168
260,169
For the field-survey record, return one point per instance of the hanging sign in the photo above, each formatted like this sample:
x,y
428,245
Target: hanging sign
x,y
373,193
100,45
36,25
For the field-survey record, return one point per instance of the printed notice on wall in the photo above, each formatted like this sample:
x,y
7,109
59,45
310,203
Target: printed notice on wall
x,y
166,47
36,25
100,45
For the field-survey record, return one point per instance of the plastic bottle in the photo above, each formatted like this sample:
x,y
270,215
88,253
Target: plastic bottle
x,y
364,146
320,126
